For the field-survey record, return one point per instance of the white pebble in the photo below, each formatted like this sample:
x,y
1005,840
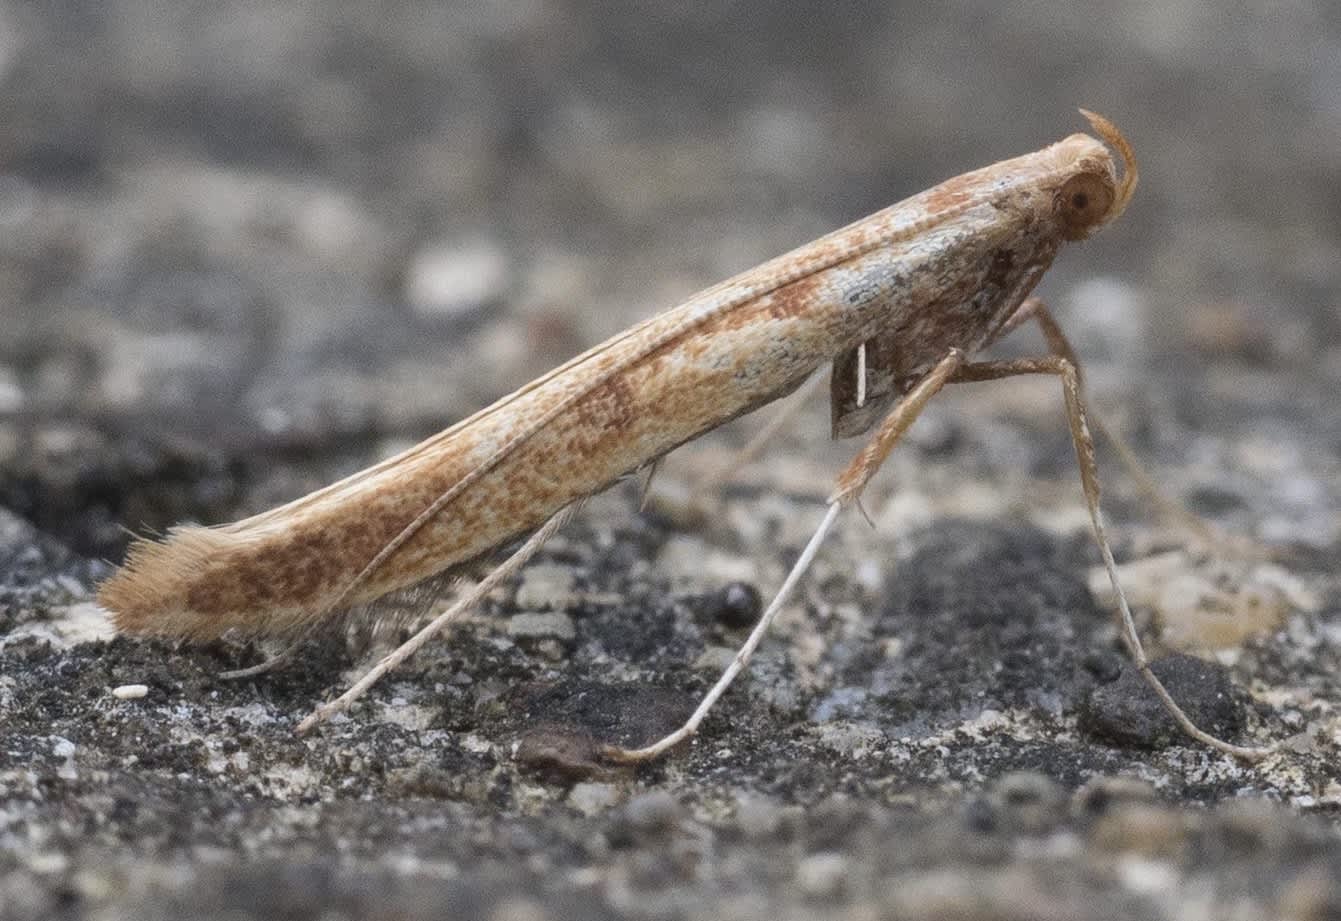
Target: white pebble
x,y
822,875
542,626
546,586
591,798
452,278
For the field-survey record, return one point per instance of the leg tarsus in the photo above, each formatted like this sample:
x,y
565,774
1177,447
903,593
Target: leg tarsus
x,y
646,475
277,661
861,507
1214,538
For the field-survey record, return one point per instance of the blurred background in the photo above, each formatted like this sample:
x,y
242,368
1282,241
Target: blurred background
x,y
235,235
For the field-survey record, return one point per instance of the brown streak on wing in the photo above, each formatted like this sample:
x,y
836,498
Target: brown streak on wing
x,y
952,193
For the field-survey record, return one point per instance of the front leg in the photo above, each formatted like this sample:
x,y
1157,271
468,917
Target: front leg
x,y
1035,309
1089,479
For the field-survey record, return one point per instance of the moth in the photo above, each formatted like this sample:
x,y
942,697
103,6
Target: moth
x,y
898,304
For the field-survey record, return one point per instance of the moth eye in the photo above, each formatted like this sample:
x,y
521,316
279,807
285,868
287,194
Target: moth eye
x,y
1083,202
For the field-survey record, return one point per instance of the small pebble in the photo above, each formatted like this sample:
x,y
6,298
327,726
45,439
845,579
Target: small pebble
x,y
1128,712
555,750
821,875
546,587
1027,788
1030,801
455,278
48,863
592,798
531,626
131,691
737,605
1147,829
1099,795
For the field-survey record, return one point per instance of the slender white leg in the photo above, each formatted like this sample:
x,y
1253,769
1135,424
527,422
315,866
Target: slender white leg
x,y
742,657
847,492
504,570
278,660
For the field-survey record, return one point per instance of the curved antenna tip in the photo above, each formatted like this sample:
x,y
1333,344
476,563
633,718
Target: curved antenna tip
x,y
1130,174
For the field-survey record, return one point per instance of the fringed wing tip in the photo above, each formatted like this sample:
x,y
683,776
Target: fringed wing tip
x,y
199,583
148,595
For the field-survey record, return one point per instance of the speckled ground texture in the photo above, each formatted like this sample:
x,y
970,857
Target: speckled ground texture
x,y
245,250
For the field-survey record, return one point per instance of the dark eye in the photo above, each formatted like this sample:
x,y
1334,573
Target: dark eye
x,y
1082,203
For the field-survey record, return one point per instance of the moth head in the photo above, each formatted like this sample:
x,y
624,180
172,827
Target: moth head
x,y
1089,192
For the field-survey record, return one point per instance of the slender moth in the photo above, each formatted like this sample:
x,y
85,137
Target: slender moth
x,y
898,303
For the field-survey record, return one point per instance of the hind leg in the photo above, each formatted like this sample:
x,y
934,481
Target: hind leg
x,y
847,491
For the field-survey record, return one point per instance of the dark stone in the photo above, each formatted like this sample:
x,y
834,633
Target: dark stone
x,y
630,715
561,752
737,605
988,617
1128,711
